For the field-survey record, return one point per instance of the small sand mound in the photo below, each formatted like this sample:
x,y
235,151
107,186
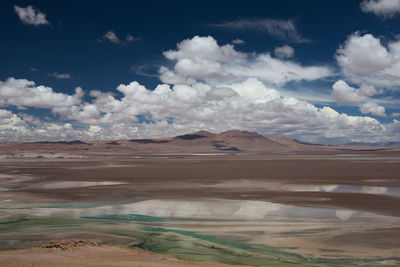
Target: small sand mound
x,y
68,244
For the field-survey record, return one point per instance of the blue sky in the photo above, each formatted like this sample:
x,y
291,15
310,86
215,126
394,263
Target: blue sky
x,y
317,71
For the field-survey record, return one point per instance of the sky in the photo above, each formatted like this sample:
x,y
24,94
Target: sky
x,y
316,71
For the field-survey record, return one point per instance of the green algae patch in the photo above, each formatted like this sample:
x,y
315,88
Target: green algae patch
x,y
185,245
196,247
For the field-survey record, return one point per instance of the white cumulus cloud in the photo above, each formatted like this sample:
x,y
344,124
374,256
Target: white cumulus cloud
x,y
238,42
383,8
363,55
5,114
285,51
60,75
343,93
365,59
248,105
112,37
203,58
24,93
373,67
373,108
31,15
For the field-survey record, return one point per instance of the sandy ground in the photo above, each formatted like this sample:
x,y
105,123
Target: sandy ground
x,y
104,256
166,185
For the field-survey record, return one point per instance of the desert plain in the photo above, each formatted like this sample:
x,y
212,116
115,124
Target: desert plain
x,y
202,199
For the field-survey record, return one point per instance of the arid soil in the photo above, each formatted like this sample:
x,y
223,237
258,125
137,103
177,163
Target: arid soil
x,y
329,203
88,255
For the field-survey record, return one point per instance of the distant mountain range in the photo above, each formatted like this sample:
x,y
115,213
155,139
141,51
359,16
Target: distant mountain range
x,y
233,141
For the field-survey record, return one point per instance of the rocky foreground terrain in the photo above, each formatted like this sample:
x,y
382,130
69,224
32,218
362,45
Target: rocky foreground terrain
x,y
89,253
230,198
